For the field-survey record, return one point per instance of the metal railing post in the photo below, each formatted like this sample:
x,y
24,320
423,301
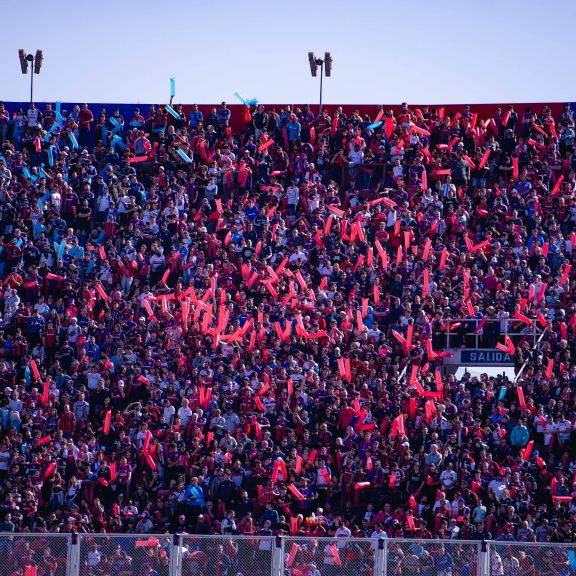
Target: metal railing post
x,y
484,559
278,556
380,557
175,553
73,568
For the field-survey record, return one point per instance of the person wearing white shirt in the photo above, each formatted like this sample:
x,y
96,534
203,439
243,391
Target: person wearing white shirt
x,y
448,478
498,486
169,412
292,196
184,412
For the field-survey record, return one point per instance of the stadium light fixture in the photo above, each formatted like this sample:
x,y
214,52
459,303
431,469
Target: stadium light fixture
x,y
325,68
35,63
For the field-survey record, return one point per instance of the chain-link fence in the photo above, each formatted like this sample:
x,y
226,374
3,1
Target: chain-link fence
x,y
34,554
214,555
226,555
329,556
432,558
124,555
531,559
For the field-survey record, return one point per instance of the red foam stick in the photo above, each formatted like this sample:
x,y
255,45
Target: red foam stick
x,y
100,290
522,318
263,390
336,210
521,399
443,257
295,547
469,161
112,472
258,403
426,153
335,555
146,443
334,127
528,450
413,504
43,440
510,345
410,521
49,471
143,379
266,145
364,307
102,253
556,188
565,274
31,571
426,250
376,295
413,375
275,470
34,369
400,424
107,418
341,367
418,130
426,283
545,248
298,467
312,456
296,492
359,323
500,346
484,159
515,171
45,393
424,181
300,281
328,225
430,353
399,255
150,461
549,369
541,292
470,308
370,257
389,127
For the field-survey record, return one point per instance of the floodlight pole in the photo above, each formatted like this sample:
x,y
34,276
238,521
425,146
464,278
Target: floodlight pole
x,y
32,81
321,76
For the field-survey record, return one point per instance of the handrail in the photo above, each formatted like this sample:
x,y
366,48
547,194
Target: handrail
x,y
535,332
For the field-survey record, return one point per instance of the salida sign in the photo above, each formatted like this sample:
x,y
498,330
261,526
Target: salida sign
x,y
477,357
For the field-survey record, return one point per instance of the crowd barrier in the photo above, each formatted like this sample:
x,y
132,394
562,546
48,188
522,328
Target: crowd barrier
x,y
214,555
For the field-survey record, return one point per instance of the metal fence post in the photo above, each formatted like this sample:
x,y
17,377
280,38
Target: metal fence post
x,y
380,558
175,552
73,568
484,559
278,557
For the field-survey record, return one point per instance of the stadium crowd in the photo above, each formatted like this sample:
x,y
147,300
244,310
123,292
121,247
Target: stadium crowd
x,y
241,332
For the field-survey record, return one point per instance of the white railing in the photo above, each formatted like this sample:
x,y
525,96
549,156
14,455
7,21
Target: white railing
x,y
534,331
231,555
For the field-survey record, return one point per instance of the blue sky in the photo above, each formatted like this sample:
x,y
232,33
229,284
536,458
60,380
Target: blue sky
x,y
422,51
